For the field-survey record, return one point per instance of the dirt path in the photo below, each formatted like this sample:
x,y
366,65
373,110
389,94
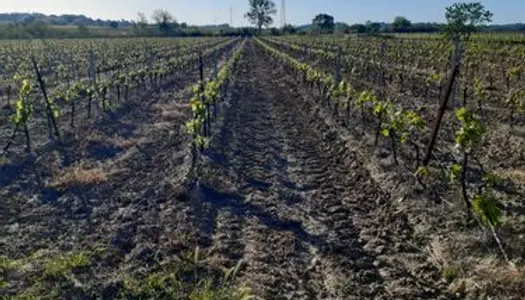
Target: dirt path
x,y
281,192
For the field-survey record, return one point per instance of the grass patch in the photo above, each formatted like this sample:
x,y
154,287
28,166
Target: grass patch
x,y
173,285
473,272
8,265
46,274
450,273
63,265
3,284
79,176
517,175
206,290
51,275
52,264
115,140
491,278
188,278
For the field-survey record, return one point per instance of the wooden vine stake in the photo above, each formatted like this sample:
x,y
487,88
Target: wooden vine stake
x,y
462,20
49,109
93,79
444,103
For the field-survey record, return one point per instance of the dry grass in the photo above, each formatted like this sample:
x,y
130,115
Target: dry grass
x,y
116,140
123,143
172,115
96,137
163,125
172,112
517,175
80,176
436,251
491,277
479,275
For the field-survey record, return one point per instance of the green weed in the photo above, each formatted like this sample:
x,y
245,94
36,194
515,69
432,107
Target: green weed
x,y
66,263
450,273
9,265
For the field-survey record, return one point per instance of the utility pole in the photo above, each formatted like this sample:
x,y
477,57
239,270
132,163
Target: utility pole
x,y
231,16
283,13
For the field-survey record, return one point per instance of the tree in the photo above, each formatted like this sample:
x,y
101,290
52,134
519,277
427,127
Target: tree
x,y
163,19
141,24
260,13
289,29
401,24
83,30
324,23
372,27
358,28
275,31
463,19
113,24
341,28
424,27
142,21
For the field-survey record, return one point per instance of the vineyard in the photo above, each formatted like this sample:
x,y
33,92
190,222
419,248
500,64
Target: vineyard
x,y
292,167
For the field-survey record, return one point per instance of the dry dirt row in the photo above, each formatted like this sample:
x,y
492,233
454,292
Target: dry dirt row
x,y
280,191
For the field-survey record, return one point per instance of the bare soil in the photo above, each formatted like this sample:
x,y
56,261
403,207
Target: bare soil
x,y
283,194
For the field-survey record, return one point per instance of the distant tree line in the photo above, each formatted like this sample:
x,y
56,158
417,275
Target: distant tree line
x,y
325,24
37,25
41,31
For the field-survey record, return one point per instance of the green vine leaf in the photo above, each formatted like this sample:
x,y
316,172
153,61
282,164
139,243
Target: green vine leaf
x,y
487,208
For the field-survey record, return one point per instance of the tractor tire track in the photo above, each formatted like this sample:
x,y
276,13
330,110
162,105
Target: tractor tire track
x,y
289,198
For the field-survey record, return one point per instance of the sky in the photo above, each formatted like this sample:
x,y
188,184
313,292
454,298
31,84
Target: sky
x,y
298,12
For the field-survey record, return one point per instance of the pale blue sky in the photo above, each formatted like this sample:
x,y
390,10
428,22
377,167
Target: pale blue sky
x,y
297,11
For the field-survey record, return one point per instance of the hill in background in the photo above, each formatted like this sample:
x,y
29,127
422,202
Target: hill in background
x,y
60,20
